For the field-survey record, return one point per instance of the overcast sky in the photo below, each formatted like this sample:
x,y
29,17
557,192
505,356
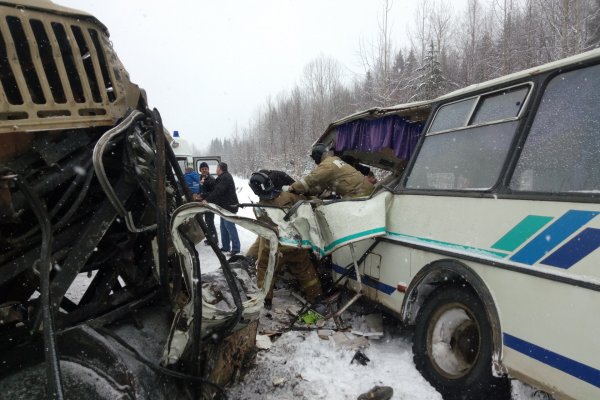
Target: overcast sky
x,y
209,64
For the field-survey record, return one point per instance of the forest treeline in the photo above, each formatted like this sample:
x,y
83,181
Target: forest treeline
x,y
490,38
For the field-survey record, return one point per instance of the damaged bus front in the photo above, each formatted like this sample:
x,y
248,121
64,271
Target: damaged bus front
x,y
489,240
101,292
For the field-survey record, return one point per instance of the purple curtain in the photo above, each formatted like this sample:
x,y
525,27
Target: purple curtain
x,y
392,132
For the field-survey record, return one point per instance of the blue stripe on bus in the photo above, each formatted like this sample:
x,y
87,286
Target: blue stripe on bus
x,y
550,237
575,250
569,366
366,280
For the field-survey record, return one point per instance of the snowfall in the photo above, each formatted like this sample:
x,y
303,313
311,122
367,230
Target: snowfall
x,y
318,364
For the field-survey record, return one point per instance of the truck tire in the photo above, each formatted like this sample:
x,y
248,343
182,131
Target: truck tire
x,y
452,346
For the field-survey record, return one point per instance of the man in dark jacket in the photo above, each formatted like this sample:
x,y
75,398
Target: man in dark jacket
x,y
224,195
207,183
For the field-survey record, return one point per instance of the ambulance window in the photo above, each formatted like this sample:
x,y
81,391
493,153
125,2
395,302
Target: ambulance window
x,y
451,116
499,106
561,152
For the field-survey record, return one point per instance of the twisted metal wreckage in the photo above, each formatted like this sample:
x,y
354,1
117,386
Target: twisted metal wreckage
x,y
101,288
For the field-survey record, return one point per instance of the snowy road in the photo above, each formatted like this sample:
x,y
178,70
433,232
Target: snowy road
x,y
301,365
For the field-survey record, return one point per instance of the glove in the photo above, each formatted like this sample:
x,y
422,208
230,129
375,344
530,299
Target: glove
x,y
286,188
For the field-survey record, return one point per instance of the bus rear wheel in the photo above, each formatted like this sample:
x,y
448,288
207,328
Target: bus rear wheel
x,y
452,346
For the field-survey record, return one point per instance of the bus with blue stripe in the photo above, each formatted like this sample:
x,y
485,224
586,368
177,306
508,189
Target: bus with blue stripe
x,y
485,232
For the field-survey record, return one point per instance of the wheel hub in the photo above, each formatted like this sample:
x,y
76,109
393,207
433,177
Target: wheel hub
x,y
453,341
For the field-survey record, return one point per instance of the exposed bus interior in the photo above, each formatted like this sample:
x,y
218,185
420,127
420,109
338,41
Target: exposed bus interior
x,y
380,140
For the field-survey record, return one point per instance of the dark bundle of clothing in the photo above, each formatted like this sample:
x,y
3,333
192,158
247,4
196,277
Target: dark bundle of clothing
x,y
279,178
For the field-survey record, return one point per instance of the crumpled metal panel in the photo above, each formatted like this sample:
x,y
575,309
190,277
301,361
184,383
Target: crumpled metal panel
x,y
213,315
329,226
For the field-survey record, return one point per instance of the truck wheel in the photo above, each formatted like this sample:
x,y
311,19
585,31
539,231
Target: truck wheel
x,y
452,346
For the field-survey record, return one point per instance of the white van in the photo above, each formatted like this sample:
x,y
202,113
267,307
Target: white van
x,y
184,154
488,240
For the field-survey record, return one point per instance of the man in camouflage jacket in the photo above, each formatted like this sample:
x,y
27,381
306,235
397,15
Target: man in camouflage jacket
x,y
333,174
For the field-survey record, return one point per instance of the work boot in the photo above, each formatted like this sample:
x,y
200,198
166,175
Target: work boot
x,y
378,393
331,298
320,308
268,304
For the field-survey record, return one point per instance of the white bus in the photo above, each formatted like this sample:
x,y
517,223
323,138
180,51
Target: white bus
x,y
485,233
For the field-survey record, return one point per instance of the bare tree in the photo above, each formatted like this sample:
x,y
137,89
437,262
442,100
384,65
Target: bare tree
x,y
378,62
422,32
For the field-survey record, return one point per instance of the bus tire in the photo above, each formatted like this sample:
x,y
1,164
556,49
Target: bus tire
x,y
452,346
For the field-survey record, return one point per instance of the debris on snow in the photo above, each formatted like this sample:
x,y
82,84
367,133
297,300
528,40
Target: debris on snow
x,y
215,289
349,341
263,342
324,333
378,393
360,358
279,381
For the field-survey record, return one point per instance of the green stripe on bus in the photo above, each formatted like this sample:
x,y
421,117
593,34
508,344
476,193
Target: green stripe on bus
x,y
452,246
521,232
303,243
335,243
354,236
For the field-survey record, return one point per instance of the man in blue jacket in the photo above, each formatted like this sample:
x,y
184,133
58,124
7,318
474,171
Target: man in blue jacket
x,y
192,180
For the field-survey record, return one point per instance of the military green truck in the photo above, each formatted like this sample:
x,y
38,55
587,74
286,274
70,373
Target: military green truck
x,y
101,292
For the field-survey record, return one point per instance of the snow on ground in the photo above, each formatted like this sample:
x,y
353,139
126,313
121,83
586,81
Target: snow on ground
x,y
301,365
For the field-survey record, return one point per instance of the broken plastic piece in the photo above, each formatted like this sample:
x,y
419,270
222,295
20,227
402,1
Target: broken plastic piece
x,y
360,358
310,317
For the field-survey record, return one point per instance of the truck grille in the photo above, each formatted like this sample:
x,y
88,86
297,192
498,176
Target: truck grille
x,y
52,66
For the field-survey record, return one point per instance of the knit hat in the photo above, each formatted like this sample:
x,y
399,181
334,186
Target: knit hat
x,y
203,165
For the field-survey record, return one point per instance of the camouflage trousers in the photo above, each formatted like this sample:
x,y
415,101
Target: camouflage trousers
x,y
297,261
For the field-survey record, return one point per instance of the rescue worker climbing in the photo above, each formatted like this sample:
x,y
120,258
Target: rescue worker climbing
x,y
297,260
332,174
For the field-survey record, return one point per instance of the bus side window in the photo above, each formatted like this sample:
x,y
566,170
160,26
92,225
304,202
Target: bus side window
x,y
469,159
560,154
468,141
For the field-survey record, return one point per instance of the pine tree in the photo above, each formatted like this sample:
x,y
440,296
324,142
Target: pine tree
x,y
368,89
411,62
398,67
430,82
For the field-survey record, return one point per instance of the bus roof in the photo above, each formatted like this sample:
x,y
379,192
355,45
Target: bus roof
x,y
406,109
578,58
